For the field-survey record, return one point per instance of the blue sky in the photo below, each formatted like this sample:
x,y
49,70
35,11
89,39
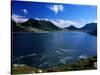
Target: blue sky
x,y
63,14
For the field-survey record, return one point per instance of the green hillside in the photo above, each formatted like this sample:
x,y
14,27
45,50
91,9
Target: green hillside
x,y
33,25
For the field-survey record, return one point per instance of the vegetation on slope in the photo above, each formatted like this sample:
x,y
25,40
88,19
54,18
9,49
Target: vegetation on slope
x,y
33,25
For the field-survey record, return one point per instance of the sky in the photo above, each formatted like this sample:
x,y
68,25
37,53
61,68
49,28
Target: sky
x,y
62,15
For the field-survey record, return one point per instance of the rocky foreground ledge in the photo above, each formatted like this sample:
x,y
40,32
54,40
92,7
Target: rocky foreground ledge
x,y
83,64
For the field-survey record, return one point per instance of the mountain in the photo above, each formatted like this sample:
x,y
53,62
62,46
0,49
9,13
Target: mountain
x,y
15,27
41,24
71,28
90,28
33,25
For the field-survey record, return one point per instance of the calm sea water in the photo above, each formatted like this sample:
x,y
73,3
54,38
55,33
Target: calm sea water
x,y
50,49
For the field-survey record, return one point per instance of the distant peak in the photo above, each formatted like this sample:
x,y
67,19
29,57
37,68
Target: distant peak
x,y
31,19
71,26
92,23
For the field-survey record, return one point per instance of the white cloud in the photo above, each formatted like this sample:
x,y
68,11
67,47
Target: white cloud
x,y
64,23
83,22
18,18
56,8
25,11
95,21
38,19
57,22
61,23
90,21
42,19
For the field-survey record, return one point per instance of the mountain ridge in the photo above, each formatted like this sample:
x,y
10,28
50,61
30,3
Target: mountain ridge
x,y
33,25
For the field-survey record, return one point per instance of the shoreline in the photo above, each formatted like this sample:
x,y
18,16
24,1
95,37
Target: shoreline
x,y
89,63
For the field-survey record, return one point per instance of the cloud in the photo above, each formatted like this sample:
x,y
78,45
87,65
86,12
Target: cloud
x,y
64,23
46,19
18,18
25,11
95,21
83,22
56,8
60,23
92,21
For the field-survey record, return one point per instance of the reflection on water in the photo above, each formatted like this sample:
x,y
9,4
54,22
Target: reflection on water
x,y
52,48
